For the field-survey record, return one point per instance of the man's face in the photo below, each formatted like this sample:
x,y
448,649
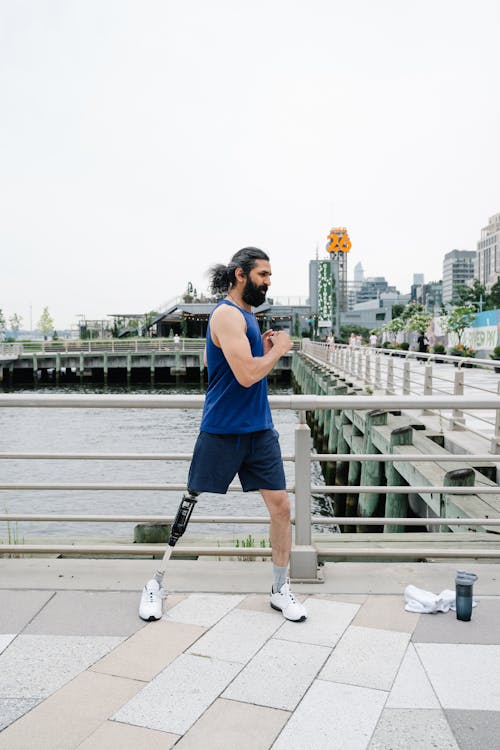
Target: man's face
x,y
257,283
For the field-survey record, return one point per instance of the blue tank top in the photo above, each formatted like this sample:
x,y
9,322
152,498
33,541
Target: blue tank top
x,y
230,408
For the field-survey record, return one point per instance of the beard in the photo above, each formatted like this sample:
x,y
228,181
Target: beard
x,y
252,294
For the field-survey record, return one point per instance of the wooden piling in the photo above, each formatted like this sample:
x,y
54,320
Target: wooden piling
x,y
372,472
463,477
353,480
396,504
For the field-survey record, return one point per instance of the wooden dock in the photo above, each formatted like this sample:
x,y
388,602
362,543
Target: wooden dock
x,y
355,431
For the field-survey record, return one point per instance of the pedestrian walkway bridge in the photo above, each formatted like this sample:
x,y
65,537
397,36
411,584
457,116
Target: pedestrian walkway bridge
x,y
222,670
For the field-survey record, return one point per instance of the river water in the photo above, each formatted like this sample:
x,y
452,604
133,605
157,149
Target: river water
x,y
119,431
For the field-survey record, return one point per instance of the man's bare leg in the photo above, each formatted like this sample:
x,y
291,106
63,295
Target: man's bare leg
x,y
278,505
282,599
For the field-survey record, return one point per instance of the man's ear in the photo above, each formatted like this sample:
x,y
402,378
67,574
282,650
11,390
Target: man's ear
x,y
240,275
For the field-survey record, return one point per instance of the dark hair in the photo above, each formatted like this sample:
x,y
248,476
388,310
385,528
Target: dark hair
x,y
223,277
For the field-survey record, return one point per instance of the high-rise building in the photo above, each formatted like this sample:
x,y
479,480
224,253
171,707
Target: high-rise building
x,y
458,270
432,296
418,279
487,268
359,274
372,288
320,286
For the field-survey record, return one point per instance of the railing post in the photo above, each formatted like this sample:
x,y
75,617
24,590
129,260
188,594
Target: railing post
x,y
378,379
390,377
495,441
457,416
360,365
303,557
368,368
427,384
406,377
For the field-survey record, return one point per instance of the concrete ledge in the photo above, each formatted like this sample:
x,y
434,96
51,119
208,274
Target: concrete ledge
x,y
237,577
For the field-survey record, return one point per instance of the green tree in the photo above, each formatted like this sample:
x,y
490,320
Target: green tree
x,y
393,327
471,296
494,296
2,323
16,322
419,322
458,320
397,310
46,322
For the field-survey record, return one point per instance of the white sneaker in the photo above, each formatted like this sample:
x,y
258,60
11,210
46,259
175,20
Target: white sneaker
x,y
151,606
284,601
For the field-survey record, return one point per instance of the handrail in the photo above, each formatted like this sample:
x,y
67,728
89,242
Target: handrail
x,y
304,555
295,402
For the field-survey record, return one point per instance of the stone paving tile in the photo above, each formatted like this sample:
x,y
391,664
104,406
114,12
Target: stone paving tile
x,y
229,724
114,736
238,636
475,730
445,628
347,598
401,729
325,624
89,613
147,652
386,613
258,602
67,717
5,640
34,666
204,609
279,675
411,688
12,708
178,696
333,717
17,608
366,657
463,676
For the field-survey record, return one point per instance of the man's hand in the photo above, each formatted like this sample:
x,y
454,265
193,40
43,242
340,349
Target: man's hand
x,y
281,341
266,340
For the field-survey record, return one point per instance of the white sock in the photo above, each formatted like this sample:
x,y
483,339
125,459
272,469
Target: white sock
x,y
280,574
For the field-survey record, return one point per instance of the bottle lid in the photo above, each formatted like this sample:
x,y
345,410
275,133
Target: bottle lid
x,y
465,578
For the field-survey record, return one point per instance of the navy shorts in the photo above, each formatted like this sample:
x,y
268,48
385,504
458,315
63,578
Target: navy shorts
x,y
255,457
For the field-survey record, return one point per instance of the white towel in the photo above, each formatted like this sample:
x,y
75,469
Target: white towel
x,y
425,602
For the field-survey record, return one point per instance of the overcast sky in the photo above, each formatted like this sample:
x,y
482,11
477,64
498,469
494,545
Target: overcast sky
x,y
143,140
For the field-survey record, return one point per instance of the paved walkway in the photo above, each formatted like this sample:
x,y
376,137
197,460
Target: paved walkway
x,y
78,669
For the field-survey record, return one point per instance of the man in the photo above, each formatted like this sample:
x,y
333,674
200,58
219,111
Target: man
x,y
236,433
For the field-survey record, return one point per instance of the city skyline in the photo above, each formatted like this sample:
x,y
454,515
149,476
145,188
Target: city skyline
x,y
143,143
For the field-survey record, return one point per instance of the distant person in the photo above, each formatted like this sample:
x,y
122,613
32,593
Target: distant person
x,y
423,343
352,340
358,341
373,340
177,341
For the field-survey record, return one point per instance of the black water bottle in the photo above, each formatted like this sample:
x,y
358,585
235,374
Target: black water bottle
x,y
463,589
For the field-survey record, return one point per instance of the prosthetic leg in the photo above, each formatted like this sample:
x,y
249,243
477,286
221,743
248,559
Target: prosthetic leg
x,y
151,605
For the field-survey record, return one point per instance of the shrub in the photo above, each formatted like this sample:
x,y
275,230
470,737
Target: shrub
x,y
462,351
404,345
439,349
496,353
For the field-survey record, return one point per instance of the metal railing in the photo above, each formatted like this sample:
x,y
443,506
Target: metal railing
x,y
110,345
304,556
10,350
416,373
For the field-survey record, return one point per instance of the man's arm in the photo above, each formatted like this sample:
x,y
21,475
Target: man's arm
x,y
228,330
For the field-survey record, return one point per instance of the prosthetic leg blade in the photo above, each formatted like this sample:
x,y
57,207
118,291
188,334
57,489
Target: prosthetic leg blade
x,y
153,593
